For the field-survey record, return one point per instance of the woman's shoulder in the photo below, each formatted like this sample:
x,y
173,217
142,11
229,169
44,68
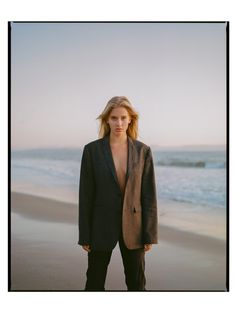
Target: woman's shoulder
x,y
140,144
93,143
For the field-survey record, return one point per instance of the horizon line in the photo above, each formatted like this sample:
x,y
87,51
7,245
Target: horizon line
x,y
156,146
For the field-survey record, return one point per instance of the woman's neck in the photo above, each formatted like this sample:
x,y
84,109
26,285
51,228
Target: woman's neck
x,y
118,140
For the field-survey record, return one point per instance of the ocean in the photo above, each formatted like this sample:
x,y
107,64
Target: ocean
x,y
197,177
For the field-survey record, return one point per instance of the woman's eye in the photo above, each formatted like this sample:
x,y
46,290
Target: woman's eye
x,y
123,118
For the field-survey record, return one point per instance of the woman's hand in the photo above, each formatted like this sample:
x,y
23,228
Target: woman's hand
x,y
147,247
86,248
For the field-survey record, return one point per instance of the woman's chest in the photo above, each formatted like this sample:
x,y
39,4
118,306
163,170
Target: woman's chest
x,y
120,155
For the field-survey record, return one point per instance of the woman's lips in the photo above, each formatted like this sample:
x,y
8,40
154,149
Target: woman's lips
x,y
118,130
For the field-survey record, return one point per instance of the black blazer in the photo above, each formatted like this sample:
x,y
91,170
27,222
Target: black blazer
x,y
104,211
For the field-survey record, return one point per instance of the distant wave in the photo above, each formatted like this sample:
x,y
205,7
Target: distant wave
x,y
218,202
180,159
53,168
46,170
191,164
57,169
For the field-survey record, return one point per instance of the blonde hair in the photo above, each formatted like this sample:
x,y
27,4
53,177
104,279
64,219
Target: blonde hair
x,y
115,102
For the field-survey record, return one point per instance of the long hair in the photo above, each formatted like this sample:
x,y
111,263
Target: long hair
x,y
115,102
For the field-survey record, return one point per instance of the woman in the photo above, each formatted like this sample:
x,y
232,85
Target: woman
x,y
117,197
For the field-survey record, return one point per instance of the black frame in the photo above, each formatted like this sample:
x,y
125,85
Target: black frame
x,y
227,150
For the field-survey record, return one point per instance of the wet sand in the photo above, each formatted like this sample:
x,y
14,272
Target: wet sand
x,y
45,254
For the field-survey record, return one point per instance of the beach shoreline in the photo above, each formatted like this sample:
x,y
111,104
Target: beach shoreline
x,y
193,218
44,235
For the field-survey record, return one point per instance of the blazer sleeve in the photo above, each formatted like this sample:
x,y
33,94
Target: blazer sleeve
x,y
86,197
149,201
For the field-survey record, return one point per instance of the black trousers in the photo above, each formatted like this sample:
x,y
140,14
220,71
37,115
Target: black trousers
x,y
134,267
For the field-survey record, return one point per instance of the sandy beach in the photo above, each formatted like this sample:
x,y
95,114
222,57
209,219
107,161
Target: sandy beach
x,y
45,254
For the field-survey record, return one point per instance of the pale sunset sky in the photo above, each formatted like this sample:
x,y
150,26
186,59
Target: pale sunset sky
x,y
63,74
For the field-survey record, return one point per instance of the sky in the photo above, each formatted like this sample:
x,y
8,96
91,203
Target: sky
x,y
63,75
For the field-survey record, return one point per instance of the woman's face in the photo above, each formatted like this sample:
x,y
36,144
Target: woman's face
x,y
119,120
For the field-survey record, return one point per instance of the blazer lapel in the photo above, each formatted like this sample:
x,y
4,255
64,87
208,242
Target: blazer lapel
x,y
131,160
